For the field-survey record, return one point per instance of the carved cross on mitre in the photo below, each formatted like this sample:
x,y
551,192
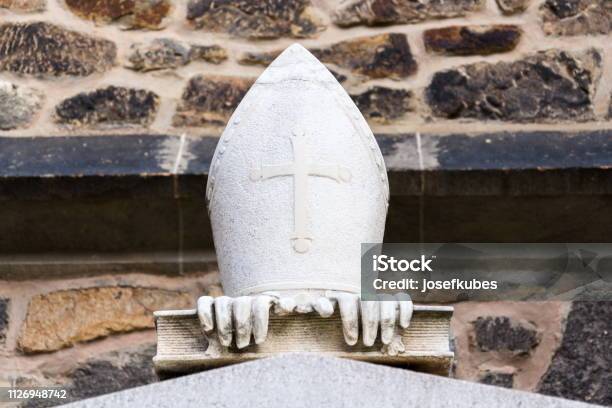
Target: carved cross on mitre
x,y
301,169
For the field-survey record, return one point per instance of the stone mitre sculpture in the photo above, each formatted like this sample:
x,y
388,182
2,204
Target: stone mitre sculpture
x,y
296,184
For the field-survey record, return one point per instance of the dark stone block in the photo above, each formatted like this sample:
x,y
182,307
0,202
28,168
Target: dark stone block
x,y
576,17
505,380
109,106
41,49
112,372
4,318
98,377
259,20
502,333
550,85
381,104
580,368
210,100
472,40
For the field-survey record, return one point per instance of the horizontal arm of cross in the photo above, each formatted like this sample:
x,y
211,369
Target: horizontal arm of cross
x,y
269,171
338,173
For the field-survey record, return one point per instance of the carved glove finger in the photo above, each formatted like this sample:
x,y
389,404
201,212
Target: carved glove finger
x,y
348,303
261,315
405,309
243,323
388,312
205,313
223,315
370,316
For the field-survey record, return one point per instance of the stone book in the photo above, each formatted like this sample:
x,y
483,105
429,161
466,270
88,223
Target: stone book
x,y
183,347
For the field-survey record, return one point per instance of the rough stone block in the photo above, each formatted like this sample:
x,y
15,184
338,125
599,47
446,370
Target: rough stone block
x,y
112,372
383,105
576,17
4,319
41,49
472,40
24,6
18,105
209,53
144,14
505,380
549,85
385,12
510,7
109,106
502,333
378,56
210,100
60,319
166,53
257,20
580,369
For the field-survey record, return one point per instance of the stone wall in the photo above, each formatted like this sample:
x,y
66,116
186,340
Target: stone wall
x,y
79,67
76,66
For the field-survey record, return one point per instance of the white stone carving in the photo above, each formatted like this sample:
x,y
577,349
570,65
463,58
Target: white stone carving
x,y
297,183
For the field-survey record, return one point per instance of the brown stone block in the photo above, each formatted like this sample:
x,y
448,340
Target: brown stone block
x,y
472,40
60,319
210,100
24,6
377,56
383,105
145,14
41,49
265,19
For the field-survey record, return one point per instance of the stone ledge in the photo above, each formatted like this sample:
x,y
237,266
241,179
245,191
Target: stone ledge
x,y
112,194
503,163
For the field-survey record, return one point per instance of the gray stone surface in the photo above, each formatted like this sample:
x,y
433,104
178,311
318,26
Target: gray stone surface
x,y
311,381
18,105
502,333
4,303
505,380
580,368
